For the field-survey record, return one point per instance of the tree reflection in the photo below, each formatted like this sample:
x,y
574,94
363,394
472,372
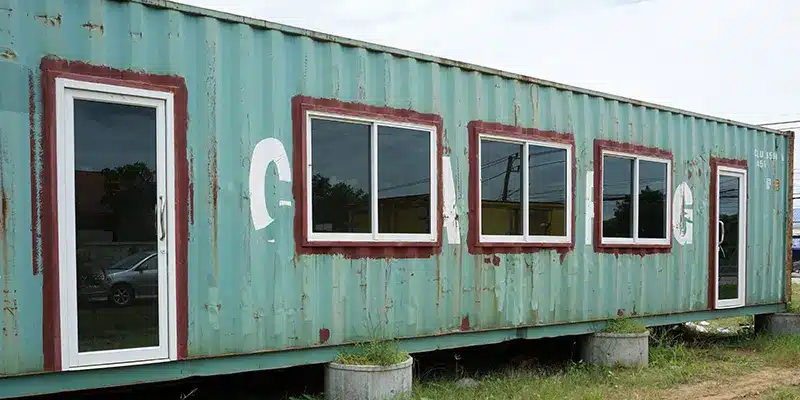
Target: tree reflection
x,y
337,204
651,206
130,194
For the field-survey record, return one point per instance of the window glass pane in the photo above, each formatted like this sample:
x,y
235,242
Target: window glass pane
x,y
340,176
728,238
652,200
617,196
501,194
115,221
547,191
404,180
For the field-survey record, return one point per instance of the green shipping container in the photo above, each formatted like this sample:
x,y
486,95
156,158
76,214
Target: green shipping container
x,y
180,185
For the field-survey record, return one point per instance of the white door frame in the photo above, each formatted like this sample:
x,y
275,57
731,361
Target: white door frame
x,y
739,301
67,90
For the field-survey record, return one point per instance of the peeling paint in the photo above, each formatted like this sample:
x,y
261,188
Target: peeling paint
x,y
190,203
213,191
35,188
8,54
94,27
49,20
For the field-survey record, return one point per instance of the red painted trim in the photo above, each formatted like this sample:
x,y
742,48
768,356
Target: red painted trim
x,y
300,106
52,68
601,145
477,128
716,162
51,323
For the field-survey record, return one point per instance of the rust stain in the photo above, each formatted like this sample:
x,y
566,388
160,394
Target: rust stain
x,y
487,260
438,280
34,179
191,188
562,253
8,54
4,201
213,189
48,20
690,174
620,312
94,27
496,261
3,214
465,323
324,335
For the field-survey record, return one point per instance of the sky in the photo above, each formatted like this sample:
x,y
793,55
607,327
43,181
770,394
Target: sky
x,y
734,59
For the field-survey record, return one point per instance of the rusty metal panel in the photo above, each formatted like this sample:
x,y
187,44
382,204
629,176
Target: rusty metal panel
x,y
248,289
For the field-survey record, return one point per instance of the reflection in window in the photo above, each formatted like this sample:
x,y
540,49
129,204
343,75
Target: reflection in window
x,y
504,169
652,199
501,177
404,171
115,222
617,195
342,184
547,190
635,193
340,176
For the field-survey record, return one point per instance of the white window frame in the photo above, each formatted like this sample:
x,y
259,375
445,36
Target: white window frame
x,y
67,90
739,301
636,240
526,237
374,236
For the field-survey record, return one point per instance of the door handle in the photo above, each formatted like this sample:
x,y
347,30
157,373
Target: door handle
x,y
161,217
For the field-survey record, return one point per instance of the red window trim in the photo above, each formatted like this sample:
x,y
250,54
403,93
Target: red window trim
x,y
715,163
601,145
477,128
357,249
52,68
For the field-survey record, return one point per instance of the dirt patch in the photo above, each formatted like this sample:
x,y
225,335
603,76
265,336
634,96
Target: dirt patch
x,y
746,386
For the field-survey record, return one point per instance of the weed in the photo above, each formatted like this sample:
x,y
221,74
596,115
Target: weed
x,y
794,305
374,352
624,325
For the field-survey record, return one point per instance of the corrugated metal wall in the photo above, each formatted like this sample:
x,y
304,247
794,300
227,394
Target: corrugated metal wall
x,y
248,290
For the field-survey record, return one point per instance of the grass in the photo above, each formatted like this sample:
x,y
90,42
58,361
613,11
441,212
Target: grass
x,y
375,352
673,361
679,357
787,393
624,325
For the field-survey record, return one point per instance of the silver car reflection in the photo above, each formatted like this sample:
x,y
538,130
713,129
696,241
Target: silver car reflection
x,y
133,277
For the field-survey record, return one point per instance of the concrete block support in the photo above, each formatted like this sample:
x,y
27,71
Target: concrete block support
x,y
778,323
613,349
368,382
